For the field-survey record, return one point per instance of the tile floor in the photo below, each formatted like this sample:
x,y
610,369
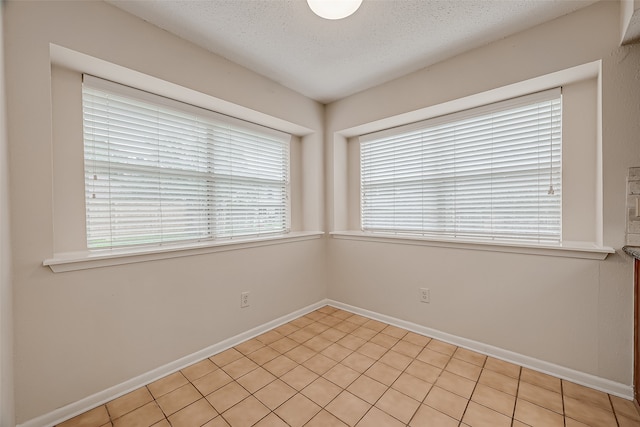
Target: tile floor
x,y
333,368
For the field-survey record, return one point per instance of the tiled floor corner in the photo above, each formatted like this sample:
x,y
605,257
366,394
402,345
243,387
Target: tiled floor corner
x,y
334,368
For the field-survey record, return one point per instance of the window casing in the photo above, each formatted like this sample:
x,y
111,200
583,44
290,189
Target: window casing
x,y
482,174
159,171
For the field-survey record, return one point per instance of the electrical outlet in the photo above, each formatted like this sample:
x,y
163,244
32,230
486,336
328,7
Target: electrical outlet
x,y
424,295
244,299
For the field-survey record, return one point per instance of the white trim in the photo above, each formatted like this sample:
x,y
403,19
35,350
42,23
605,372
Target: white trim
x,y
612,387
69,411
71,261
566,249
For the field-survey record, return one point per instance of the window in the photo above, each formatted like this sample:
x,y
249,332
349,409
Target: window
x,y
490,173
160,171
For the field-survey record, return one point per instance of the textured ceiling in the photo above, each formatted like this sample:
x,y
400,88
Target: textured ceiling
x,y
328,60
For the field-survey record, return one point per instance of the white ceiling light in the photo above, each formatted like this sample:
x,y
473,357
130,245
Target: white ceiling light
x,y
334,9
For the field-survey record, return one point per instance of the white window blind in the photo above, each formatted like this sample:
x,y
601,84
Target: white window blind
x,y
491,173
158,171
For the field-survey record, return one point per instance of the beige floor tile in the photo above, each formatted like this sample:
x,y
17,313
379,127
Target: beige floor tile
x,y
434,358
227,396
246,413
249,346
269,337
336,352
463,369
263,355
416,339
394,331
321,391
385,341
319,364
299,377
375,325
216,422
442,347
588,413
93,418
627,422
177,399
341,375
301,322
536,416
330,321
199,369
286,329
212,381
256,379
517,423
239,367
411,386
426,416
332,334
456,384
499,382
318,343
226,357
424,371
494,399
541,380
275,394
301,336
372,350
367,389
357,319
353,342
315,315
146,415
480,416
284,345
396,360
129,402
300,354
271,420
406,348
348,408
365,334
358,362
346,326
383,373
161,423
446,402
570,422
470,356
316,328
298,410
398,405
621,406
376,418
167,384
502,367
586,394
325,419
195,414
541,397
280,365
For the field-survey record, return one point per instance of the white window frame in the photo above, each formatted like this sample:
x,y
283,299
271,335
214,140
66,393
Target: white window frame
x,y
394,198
213,173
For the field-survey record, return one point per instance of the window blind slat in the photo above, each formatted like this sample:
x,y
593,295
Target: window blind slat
x,y
482,174
156,174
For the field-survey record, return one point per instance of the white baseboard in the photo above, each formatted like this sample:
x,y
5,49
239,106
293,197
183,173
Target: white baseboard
x,y
615,388
69,411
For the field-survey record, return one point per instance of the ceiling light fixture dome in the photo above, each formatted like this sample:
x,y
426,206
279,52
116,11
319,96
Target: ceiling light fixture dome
x,y
334,9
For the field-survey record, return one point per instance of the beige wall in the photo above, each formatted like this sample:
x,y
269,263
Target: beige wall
x,y
6,296
574,313
78,333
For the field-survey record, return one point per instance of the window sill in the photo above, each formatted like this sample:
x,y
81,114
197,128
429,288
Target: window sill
x,y
71,261
582,250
